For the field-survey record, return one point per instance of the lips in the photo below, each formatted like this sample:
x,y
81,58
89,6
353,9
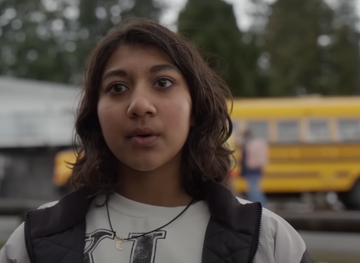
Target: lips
x,y
143,136
142,132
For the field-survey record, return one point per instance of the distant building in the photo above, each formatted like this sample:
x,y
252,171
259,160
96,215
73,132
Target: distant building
x,y
36,121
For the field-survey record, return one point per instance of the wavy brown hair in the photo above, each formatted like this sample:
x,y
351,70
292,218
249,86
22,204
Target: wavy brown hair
x,y
205,155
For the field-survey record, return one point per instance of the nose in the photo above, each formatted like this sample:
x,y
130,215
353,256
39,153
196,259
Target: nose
x,y
141,104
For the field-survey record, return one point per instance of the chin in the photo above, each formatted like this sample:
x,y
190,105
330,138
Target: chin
x,y
148,163
144,168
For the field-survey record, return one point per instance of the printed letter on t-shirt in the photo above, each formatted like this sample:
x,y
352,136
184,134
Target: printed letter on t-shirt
x,y
144,248
92,240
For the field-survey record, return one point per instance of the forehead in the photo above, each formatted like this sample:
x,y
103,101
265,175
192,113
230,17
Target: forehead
x,y
138,56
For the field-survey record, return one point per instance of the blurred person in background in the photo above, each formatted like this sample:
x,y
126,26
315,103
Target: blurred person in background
x,y
234,170
254,159
150,180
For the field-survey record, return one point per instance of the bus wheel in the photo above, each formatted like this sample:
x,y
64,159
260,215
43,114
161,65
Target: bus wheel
x,y
352,198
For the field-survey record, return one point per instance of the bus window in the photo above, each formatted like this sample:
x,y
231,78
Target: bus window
x,y
348,130
318,131
259,129
287,131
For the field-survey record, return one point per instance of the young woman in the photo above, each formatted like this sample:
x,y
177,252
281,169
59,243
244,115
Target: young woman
x,y
150,178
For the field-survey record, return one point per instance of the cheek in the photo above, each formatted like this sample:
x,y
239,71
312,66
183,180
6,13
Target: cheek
x,y
179,116
107,114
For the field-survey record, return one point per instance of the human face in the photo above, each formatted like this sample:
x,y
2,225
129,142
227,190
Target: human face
x,y
144,108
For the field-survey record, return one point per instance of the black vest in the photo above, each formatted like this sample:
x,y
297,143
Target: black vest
x,y
56,234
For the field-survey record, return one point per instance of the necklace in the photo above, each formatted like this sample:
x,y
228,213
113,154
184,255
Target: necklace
x,y
119,240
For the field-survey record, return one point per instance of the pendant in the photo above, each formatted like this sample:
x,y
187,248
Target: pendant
x,y
118,243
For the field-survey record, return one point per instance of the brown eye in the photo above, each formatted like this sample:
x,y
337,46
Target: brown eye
x,y
163,83
117,88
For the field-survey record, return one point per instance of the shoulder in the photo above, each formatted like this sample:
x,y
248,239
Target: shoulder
x,y
15,250
272,221
50,204
279,241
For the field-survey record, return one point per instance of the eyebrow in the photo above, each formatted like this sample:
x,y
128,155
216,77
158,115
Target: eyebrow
x,y
163,67
153,69
117,72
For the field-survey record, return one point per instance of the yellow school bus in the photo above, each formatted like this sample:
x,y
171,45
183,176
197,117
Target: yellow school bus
x,y
62,167
314,144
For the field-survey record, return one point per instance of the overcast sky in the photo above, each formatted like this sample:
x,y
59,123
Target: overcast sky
x,y
241,7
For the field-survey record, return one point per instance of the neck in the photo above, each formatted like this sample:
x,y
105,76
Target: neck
x,y
160,187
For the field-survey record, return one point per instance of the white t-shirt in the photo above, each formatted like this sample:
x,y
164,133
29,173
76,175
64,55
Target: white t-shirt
x,y
181,241
129,219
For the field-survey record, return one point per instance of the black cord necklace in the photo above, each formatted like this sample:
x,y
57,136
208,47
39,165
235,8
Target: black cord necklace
x,y
119,240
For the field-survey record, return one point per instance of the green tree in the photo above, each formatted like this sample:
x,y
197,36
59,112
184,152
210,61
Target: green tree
x,y
42,40
29,41
144,8
50,40
95,19
296,37
211,26
344,50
